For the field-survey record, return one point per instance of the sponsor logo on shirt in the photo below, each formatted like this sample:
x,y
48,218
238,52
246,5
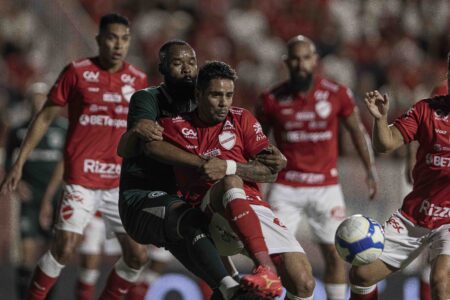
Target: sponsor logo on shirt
x,y
395,224
303,136
189,133
257,127
91,76
321,95
211,153
104,169
287,111
440,131
120,109
432,210
112,97
437,160
311,178
305,116
440,115
127,78
177,119
96,108
93,89
101,120
439,148
293,124
227,139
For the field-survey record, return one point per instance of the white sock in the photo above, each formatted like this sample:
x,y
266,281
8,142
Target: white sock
x,y
336,291
49,265
88,276
126,272
293,297
363,290
148,276
228,286
425,274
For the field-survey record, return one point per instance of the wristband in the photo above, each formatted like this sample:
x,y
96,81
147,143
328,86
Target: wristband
x,y
231,167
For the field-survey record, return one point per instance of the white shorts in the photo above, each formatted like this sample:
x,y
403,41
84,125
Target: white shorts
x,y
159,254
79,205
324,208
404,241
95,242
277,237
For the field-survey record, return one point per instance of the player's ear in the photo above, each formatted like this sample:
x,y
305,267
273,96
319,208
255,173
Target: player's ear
x,y
162,68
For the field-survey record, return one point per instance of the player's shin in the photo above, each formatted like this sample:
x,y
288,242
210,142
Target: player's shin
x,y
85,287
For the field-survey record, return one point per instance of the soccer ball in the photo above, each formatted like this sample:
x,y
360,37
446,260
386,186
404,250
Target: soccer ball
x,y
359,240
226,240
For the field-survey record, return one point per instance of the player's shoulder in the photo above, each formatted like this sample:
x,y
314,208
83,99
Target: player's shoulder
x,y
151,92
330,85
179,120
278,92
134,70
240,114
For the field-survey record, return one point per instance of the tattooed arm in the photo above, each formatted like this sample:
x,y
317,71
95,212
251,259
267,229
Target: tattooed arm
x,y
255,171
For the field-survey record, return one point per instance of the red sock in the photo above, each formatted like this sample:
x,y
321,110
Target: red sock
x,y
138,291
425,291
84,291
206,290
373,295
245,222
116,287
40,285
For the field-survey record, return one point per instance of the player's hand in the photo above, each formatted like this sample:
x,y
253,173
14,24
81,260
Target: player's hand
x,y
148,130
372,182
272,158
46,215
214,169
377,104
11,180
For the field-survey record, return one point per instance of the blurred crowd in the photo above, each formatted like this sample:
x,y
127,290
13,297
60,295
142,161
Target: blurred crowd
x,y
398,46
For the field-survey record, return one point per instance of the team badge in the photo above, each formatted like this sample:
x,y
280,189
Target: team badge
x,y
127,92
227,140
323,109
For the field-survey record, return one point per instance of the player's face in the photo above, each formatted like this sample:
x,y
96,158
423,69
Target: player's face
x,y
301,62
181,66
215,101
113,43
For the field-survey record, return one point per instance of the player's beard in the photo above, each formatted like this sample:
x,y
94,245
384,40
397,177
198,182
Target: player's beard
x,y
180,89
301,84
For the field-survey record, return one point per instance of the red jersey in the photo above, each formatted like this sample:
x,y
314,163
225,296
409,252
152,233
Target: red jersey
x,y
428,204
239,137
440,90
306,130
98,107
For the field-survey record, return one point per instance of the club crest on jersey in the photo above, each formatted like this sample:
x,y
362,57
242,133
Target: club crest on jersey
x,y
227,140
323,109
127,92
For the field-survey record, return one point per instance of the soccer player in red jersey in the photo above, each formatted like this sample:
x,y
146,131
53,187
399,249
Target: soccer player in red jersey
x,y
304,114
233,138
423,221
411,151
97,91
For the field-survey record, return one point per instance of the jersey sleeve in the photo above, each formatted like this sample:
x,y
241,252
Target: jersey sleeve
x,y
170,132
347,102
253,136
143,105
408,123
64,87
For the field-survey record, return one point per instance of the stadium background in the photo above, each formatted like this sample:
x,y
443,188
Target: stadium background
x,y
398,46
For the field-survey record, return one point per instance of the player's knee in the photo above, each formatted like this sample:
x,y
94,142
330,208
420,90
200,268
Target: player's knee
x,y
185,222
232,181
304,284
136,259
64,246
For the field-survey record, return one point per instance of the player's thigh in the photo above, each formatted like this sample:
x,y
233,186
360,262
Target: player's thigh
x,y
440,270
288,204
147,215
325,211
76,208
94,237
296,272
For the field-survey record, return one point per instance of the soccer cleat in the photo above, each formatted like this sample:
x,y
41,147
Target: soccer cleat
x,y
265,283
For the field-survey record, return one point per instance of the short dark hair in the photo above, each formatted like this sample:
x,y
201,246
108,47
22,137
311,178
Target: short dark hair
x,y
165,48
113,18
214,70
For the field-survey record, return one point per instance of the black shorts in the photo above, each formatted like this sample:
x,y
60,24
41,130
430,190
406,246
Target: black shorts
x,y
145,215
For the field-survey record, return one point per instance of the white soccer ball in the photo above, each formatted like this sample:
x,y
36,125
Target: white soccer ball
x,y
359,240
226,240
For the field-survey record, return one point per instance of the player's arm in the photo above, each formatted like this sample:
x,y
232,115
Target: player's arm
x,y
145,130
361,140
385,137
172,155
36,131
46,210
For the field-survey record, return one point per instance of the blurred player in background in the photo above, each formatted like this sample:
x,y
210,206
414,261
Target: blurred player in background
x,y
97,91
304,114
423,221
37,171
